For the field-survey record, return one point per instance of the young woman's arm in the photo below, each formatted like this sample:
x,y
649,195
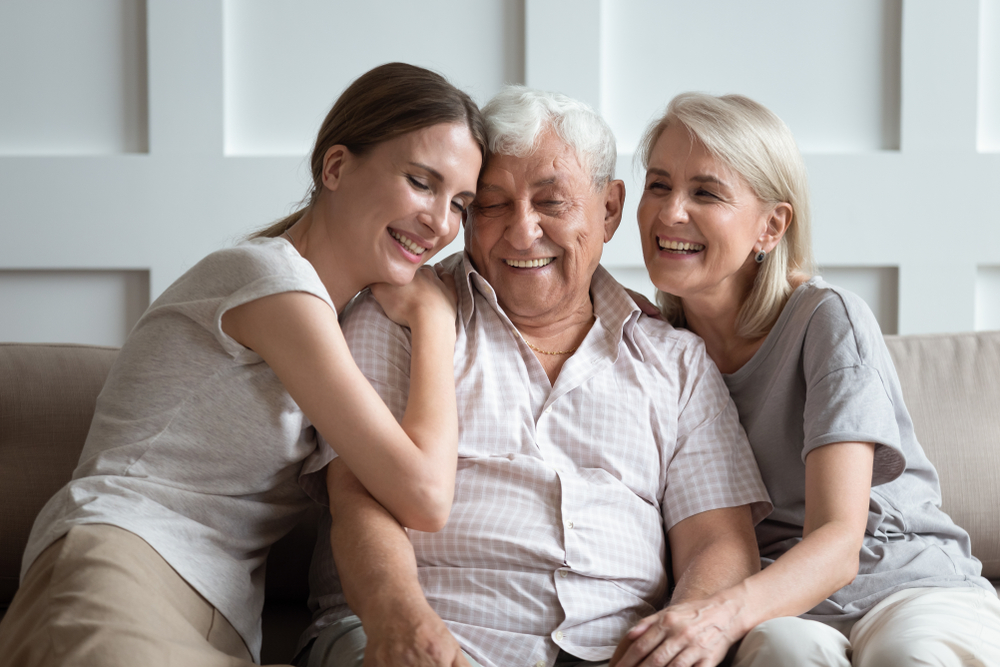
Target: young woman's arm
x,y
838,484
409,468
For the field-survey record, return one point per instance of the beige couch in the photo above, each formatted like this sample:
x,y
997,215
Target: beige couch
x,y
47,394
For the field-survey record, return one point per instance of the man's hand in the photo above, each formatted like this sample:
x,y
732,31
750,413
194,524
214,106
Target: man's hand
x,y
697,633
379,574
411,638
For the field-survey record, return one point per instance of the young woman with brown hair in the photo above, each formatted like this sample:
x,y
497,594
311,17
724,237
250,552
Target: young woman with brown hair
x,y
237,381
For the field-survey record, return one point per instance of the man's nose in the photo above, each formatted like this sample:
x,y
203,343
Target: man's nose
x,y
524,227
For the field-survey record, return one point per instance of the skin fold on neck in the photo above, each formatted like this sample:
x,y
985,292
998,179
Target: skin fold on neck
x,y
564,333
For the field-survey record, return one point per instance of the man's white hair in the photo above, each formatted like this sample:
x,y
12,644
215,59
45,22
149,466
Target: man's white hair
x,y
517,115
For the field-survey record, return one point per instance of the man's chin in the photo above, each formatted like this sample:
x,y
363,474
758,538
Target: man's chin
x,y
528,303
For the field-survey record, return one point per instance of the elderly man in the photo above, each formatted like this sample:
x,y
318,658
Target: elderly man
x,y
590,437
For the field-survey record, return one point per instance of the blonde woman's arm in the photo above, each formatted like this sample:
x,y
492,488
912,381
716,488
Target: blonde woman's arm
x,y
838,484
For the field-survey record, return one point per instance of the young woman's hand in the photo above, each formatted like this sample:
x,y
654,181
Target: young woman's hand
x,y
427,294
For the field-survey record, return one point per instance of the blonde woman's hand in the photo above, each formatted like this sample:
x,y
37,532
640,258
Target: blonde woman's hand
x,y
430,293
692,633
644,304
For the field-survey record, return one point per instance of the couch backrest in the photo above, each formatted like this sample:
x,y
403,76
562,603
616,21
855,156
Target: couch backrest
x,y
47,397
951,383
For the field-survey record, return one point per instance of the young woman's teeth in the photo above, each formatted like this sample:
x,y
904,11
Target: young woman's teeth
x,y
677,246
529,263
407,243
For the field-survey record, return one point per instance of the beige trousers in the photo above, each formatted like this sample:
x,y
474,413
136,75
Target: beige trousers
x,y
945,627
101,596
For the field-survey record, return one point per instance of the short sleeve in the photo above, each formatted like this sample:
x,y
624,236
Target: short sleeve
x,y
258,289
847,399
232,277
713,465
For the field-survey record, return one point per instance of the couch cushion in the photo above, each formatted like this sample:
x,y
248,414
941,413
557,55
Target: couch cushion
x,y
951,383
47,397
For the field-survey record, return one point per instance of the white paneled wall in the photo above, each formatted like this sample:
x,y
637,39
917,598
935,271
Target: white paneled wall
x,y
72,77
138,136
988,298
989,76
107,302
830,69
285,63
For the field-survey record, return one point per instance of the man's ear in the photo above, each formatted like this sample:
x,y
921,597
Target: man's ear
x,y
614,204
778,221
334,164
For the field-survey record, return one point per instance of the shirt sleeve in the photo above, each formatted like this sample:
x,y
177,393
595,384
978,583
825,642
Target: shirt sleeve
x,y
713,465
256,271
847,399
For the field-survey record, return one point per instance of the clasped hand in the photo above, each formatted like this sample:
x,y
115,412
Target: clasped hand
x,y
690,634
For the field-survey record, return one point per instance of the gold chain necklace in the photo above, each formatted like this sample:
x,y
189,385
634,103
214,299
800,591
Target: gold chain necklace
x,y
541,351
551,354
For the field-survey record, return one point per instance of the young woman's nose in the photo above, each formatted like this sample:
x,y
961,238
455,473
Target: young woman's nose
x,y
437,217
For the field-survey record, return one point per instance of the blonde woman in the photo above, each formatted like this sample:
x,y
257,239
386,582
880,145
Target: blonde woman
x,y
860,565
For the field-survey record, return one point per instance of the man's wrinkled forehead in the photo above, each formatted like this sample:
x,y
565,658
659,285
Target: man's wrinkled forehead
x,y
550,164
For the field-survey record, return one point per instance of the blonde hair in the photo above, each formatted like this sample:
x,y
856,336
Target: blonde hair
x,y
753,142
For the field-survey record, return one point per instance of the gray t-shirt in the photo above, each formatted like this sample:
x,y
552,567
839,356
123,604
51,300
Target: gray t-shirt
x,y
823,375
195,446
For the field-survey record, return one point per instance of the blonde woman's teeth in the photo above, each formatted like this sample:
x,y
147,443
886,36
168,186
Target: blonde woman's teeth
x,y
407,243
680,246
529,263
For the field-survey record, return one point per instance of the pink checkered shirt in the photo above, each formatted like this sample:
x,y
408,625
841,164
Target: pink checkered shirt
x,y
556,538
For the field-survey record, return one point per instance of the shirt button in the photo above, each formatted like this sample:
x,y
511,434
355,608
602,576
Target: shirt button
x,y
563,573
547,410
569,524
558,635
540,663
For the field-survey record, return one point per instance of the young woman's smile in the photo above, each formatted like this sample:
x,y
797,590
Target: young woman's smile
x,y
404,200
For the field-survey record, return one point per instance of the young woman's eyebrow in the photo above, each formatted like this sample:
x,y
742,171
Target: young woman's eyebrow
x,y
436,175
